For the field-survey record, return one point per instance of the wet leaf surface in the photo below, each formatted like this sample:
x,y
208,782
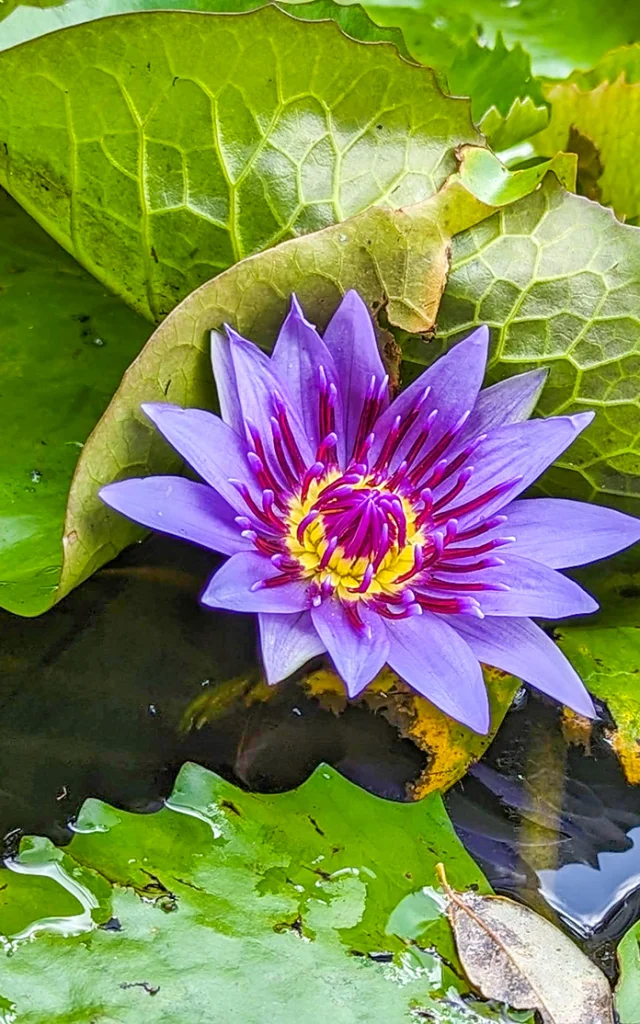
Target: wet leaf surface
x,y
628,989
514,955
189,906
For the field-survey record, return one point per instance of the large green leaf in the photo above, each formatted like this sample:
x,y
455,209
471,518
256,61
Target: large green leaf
x,y
31,22
507,101
602,105
159,148
237,904
560,36
557,278
64,346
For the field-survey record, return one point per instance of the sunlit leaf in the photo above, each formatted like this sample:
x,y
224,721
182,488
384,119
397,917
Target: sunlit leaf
x,y
559,38
159,148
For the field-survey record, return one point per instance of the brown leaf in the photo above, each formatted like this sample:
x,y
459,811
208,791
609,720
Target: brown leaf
x,y
517,957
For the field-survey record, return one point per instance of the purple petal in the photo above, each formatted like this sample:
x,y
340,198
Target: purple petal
x,y
351,339
226,383
287,643
179,507
230,587
258,383
520,647
297,357
560,533
454,380
509,401
210,447
357,655
433,659
534,589
521,450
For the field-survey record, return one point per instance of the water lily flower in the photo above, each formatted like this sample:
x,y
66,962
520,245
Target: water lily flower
x,y
382,532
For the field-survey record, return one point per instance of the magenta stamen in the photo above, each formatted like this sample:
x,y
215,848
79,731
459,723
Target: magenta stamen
x,y
479,549
418,562
287,433
483,499
366,580
488,524
314,473
308,519
483,563
328,553
454,491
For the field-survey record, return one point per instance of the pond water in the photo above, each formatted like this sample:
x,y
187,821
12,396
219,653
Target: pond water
x,y
94,697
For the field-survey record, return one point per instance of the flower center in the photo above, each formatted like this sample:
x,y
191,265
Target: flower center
x,y
384,531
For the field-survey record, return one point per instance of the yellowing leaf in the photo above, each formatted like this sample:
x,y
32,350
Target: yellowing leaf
x,y
514,955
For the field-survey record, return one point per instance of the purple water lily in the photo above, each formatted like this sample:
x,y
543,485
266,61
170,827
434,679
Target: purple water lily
x,y
382,532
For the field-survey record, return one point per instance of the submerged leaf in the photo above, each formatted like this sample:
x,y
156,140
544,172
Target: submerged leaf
x,y
608,661
450,747
512,954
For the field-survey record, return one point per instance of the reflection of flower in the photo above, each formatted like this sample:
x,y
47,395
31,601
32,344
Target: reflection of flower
x,y
381,533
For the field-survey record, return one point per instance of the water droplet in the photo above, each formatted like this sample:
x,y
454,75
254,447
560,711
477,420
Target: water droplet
x,y
153,709
296,711
36,476
98,342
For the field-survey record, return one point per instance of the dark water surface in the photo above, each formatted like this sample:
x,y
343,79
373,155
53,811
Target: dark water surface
x,y
93,696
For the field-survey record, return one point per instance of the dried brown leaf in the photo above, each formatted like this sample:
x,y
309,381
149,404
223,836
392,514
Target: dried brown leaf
x,y
513,955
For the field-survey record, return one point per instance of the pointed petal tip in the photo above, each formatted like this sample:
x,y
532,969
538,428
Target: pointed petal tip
x,y
582,419
156,409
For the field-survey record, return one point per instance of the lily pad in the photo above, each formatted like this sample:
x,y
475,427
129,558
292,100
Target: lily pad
x,y
628,989
164,916
159,148
65,345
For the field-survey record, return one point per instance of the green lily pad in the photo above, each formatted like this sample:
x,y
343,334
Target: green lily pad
x,y
627,998
65,345
555,277
178,912
160,147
